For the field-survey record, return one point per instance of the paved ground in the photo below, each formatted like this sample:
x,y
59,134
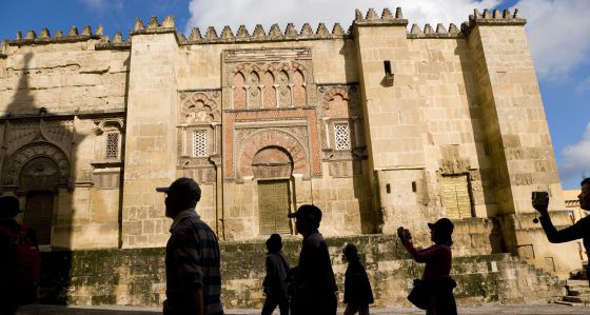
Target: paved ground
x,y
540,309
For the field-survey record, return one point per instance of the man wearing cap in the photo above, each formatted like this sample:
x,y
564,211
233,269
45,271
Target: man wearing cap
x,y
315,283
193,278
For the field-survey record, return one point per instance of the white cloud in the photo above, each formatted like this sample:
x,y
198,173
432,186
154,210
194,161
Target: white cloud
x,y
576,159
557,29
558,34
217,13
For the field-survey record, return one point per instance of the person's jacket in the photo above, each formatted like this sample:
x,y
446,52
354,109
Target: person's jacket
x,y
357,288
275,282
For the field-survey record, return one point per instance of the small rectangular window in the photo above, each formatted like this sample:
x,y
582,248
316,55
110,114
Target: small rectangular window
x,y
387,67
200,143
342,136
112,146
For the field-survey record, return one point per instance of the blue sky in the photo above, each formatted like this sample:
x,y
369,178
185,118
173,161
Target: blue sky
x,y
556,31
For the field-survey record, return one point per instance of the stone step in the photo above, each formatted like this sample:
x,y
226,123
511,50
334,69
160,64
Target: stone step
x,y
577,283
576,292
576,299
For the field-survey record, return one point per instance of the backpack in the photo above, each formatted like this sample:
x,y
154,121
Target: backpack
x,y
27,261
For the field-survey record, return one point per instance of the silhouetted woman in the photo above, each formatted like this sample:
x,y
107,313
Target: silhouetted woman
x,y
357,288
437,284
275,282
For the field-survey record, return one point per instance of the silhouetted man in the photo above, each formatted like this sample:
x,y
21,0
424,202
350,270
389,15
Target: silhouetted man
x,y
193,279
580,229
315,283
275,282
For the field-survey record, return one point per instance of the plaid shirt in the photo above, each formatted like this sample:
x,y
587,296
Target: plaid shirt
x,y
192,260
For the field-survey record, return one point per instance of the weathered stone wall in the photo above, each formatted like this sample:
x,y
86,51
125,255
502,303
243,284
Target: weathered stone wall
x,y
64,78
136,276
59,101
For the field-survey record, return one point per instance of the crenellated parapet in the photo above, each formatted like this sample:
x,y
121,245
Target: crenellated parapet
x,y
211,36
386,17
116,43
492,17
259,34
45,37
441,32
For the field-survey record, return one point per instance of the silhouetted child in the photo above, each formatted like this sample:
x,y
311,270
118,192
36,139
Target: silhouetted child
x,y
357,288
275,282
436,287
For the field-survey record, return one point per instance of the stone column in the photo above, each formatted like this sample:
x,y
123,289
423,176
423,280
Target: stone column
x,y
151,144
518,139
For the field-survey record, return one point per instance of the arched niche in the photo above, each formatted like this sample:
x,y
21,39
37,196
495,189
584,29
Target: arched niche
x,y
37,166
272,162
263,140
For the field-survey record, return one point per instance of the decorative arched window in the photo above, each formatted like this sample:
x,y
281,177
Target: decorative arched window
x,y
109,140
269,90
299,93
239,91
285,99
254,97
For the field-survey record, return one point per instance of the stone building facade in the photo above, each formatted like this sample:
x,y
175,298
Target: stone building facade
x,y
377,125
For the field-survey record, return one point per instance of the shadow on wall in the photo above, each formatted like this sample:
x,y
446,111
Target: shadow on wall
x,y
479,124
370,214
38,166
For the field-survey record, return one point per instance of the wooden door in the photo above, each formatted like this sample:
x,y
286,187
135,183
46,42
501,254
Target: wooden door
x,y
273,206
39,215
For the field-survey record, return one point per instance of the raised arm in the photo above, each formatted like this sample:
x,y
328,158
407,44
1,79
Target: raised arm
x,y
574,232
421,255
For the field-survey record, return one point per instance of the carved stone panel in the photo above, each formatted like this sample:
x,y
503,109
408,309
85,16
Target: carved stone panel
x,y
275,152
20,133
45,163
339,101
199,106
267,78
341,114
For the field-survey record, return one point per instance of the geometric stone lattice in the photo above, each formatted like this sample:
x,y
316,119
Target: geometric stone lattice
x,y
342,136
112,147
200,143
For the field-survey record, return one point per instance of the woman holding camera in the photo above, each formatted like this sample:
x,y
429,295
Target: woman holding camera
x,y
434,292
